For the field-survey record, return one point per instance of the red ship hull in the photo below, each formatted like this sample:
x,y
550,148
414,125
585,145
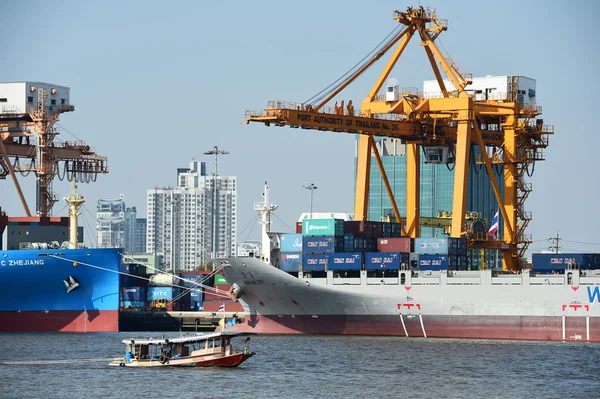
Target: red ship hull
x,y
60,321
475,327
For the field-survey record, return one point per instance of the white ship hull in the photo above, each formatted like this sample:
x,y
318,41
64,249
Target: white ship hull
x,y
431,304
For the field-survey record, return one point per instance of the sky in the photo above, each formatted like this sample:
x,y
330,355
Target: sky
x,y
156,84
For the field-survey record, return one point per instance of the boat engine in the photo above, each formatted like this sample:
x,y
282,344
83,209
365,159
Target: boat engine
x,y
236,292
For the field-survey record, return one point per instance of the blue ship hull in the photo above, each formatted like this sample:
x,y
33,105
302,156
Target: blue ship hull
x,y
67,290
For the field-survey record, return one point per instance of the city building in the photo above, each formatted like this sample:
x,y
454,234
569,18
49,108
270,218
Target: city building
x,y
119,227
110,227
191,223
135,232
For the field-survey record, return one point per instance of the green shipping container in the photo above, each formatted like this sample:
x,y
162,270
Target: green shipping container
x,y
323,227
219,279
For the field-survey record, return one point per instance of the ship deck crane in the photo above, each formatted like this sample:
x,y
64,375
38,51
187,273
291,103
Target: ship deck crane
x,y
30,136
455,118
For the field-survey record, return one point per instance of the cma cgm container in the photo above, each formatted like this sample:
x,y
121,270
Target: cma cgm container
x,y
562,261
431,246
398,244
134,294
323,227
290,243
433,262
322,244
385,260
314,262
290,262
345,261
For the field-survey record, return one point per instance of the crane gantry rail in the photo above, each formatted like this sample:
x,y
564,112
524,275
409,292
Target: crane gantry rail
x,y
454,118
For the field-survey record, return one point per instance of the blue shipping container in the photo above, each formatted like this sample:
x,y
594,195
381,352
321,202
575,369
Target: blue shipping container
x,y
433,262
196,295
457,262
457,246
290,243
134,293
132,304
562,261
431,246
290,262
189,280
359,244
345,261
155,293
322,244
129,268
197,306
314,262
384,260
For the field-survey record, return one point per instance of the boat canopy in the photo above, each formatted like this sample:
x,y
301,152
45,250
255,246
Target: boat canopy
x,y
180,340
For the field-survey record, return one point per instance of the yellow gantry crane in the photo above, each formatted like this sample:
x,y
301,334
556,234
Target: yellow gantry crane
x,y
455,117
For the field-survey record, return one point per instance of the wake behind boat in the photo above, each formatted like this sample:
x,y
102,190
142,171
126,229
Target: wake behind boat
x,y
206,350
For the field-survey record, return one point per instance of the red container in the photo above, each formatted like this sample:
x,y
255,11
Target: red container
x,y
211,296
398,244
363,228
223,287
298,227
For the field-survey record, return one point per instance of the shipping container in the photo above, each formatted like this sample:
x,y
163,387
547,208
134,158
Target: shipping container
x,y
359,244
129,268
322,244
132,304
290,262
134,294
385,260
561,261
132,281
161,280
196,295
323,227
457,246
397,244
345,261
189,280
314,262
230,306
363,228
433,262
457,262
219,279
290,243
431,246
155,293
197,306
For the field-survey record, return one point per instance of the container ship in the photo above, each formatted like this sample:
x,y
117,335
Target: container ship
x,y
360,278
52,287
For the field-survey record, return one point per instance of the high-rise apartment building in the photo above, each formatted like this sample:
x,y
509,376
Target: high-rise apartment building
x,y
119,227
188,222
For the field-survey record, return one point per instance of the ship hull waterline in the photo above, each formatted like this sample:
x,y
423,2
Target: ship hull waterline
x,y
480,307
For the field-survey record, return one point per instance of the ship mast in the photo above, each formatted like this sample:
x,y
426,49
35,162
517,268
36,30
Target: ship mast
x,y
74,201
265,209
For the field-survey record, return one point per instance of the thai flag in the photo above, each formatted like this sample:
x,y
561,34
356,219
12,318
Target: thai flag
x,y
494,227
221,308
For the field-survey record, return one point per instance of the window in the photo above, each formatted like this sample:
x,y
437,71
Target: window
x,y
30,100
63,101
53,102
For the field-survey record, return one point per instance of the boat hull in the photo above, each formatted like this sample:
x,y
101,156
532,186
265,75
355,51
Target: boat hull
x,y
60,290
60,321
232,360
474,327
442,305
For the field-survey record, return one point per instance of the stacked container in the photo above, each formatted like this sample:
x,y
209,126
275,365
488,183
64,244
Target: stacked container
x,y
320,237
291,252
441,253
133,287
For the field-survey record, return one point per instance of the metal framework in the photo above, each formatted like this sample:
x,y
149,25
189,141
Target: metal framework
x,y
42,155
455,118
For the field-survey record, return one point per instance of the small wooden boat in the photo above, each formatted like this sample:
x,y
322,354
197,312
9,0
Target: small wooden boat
x,y
204,350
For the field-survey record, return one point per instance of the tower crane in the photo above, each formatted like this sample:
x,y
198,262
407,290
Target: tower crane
x,y
27,145
455,117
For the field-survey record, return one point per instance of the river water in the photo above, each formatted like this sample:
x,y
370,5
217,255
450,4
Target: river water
x,y
306,367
